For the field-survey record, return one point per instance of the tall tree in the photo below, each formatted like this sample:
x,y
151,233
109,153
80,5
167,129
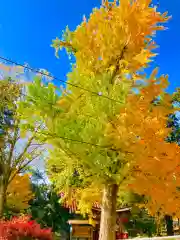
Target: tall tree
x,y
109,52
19,147
111,48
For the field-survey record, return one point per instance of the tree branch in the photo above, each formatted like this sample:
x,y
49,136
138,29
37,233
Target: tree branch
x,y
120,57
22,167
29,143
9,161
18,159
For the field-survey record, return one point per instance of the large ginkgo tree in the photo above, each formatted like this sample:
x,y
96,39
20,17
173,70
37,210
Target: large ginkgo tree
x,y
105,128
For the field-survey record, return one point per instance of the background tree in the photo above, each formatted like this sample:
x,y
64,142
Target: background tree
x,y
174,120
140,221
174,124
9,92
19,193
46,208
19,147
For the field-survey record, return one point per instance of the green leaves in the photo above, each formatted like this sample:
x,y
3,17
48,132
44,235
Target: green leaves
x,y
20,131
45,208
9,92
74,124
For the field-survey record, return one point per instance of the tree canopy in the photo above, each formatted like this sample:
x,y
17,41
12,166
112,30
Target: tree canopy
x,y
19,143
109,125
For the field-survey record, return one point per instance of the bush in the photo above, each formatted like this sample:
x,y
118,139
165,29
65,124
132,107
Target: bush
x,y
22,228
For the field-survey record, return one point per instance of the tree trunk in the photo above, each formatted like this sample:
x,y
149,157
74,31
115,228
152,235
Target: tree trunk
x,y
2,198
108,213
169,225
158,224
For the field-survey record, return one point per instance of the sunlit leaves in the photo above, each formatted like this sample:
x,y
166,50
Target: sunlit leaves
x,y
21,144
103,138
141,129
123,31
19,193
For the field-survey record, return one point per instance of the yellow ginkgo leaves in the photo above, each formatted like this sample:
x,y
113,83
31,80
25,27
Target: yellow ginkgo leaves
x,y
154,162
118,31
19,193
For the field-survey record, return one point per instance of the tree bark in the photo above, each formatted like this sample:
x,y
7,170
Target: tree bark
x,y
2,198
108,213
169,225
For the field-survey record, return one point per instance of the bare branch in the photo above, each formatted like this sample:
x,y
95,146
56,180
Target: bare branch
x,y
18,170
29,143
24,151
28,162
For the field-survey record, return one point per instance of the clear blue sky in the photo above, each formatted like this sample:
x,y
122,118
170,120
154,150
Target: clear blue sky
x,y
27,28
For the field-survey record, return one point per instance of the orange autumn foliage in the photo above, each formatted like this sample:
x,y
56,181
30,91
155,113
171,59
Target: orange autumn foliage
x,y
139,132
117,36
19,193
112,48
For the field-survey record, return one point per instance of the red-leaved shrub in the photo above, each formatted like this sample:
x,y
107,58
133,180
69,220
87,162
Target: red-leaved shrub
x,y
22,228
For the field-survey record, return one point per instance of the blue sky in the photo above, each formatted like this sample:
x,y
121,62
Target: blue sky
x,y
27,28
